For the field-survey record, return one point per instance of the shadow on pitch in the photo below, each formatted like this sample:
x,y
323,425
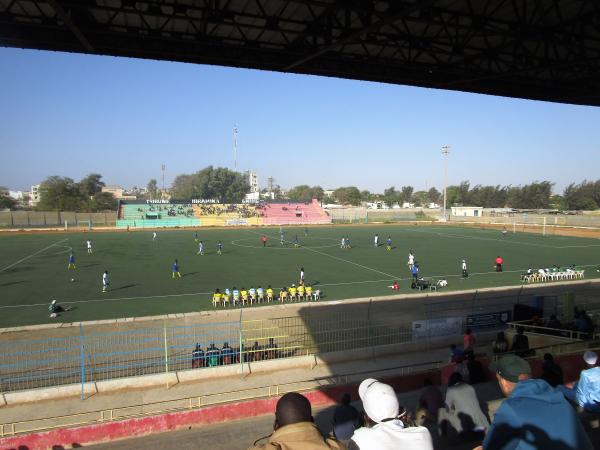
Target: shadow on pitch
x,y
189,274
127,286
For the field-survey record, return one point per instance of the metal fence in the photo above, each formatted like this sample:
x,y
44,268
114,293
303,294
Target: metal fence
x,y
28,364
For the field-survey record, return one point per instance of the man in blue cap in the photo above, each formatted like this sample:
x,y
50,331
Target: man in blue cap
x,y
534,415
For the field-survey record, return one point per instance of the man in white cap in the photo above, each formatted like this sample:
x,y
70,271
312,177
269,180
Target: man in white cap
x,y
586,392
384,428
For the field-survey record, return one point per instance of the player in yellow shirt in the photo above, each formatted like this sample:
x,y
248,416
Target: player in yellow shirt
x,y
244,294
292,291
283,294
301,292
308,292
269,293
217,297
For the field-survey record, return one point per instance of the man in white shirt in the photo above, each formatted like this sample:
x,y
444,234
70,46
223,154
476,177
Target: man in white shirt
x,y
105,281
383,428
465,274
376,240
411,260
89,246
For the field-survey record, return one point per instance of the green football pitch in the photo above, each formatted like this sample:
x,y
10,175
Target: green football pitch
x,y
33,267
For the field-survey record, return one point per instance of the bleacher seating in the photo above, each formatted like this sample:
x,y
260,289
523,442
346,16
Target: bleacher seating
x,y
142,215
228,214
294,213
139,215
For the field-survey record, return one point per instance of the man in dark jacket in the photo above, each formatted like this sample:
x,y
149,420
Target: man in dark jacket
x,y
534,415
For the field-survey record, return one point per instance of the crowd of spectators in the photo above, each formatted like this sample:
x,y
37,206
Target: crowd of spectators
x,y
243,211
171,210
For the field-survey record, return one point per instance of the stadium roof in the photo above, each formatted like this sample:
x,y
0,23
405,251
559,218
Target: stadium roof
x,y
536,49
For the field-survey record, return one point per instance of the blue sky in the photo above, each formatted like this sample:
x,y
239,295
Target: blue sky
x,y
69,114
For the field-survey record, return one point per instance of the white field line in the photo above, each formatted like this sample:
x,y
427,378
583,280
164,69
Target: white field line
x,y
507,240
346,283
334,257
32,255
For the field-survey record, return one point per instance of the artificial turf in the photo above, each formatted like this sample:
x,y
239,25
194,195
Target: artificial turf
x,y
33,267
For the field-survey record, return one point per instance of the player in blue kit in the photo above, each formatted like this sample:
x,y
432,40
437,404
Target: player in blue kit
x,y
71,262
176,269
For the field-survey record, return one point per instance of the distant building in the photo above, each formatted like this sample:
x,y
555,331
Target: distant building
x,y
252,181
117,191
467,211
17,195
408,205
34,195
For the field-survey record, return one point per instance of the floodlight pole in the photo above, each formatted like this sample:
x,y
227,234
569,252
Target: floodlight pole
x,y
445,152
235,132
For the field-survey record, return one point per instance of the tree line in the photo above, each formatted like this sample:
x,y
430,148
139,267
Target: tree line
x,y
63,193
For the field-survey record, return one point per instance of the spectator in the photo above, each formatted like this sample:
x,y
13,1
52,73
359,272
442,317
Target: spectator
x,y
586,392
520,343
226,354
384,429
430,401
294,428
272,349
456,354
197,357
462,410
346,419
469,341
551,372
553,322
213,355
534,416
500,345
476,372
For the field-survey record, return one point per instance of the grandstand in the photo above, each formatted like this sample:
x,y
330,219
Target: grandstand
x,y
139,214
150,215
294,213
228,214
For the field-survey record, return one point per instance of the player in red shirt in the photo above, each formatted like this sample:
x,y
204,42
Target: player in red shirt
x,y
499,262
263,239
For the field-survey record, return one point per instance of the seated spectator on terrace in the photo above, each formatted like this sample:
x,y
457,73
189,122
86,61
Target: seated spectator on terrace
x,y
213,356
346,419
384,428
256,353
271,350
197,357
430,401
476,372
551,372
534,415
500,345
226,354
520,344
294,428
457,355
469,341
586,392
462,410
553,322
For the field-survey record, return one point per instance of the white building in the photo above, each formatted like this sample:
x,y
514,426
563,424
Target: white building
x,y
34,196
252,181
467,211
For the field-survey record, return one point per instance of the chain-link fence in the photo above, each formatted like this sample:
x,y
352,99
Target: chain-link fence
x,y
27,364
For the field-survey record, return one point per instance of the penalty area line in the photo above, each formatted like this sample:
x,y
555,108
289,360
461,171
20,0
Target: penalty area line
x,y
32,255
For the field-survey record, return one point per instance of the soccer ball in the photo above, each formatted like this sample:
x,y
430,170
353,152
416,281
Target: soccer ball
x,y
72,280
